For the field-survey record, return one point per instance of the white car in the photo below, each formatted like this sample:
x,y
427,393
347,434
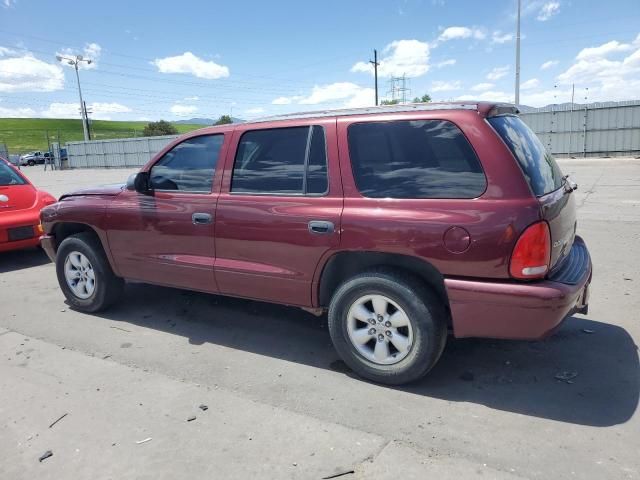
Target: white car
x,y
34,158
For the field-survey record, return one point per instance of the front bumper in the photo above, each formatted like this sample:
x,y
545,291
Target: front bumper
x,y
17,220
525,311
48,244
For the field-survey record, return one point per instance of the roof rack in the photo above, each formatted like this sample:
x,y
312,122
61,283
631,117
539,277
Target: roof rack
x,y
407,107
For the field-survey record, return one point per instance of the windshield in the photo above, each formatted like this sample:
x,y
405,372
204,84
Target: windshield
x,y
8,176
539,167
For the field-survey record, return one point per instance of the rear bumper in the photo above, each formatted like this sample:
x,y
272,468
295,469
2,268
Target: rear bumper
x,y
514,310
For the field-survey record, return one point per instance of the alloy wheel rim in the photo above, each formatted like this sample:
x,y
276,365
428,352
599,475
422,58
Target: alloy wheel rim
x,y
379,329
79,274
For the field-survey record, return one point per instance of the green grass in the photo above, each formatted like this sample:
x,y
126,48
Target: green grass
x,y
22,135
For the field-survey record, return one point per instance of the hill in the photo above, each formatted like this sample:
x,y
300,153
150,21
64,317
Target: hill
x,y
205,121
23,135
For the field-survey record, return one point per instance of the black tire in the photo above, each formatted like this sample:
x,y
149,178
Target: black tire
x,y
31,163
426,314
108,287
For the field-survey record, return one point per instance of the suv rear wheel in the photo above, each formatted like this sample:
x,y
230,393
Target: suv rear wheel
x,y
387,326
84,274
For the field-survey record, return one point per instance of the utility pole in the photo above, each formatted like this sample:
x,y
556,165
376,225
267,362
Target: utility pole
x,y
375,71
74,62
573,91
518,56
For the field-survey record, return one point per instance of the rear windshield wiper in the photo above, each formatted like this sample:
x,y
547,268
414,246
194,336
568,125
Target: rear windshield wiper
x,y
568,184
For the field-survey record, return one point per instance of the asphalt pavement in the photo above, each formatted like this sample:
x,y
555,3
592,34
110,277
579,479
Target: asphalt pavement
x,y
280,404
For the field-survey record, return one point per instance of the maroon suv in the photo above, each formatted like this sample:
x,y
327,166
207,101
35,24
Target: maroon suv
x,y
402,221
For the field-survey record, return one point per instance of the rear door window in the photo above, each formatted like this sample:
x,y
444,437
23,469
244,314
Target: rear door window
x,y
286,161
414,159
539,167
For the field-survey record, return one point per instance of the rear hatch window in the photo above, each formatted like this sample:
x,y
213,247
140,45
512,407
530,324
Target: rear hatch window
x,y
539,167
557,206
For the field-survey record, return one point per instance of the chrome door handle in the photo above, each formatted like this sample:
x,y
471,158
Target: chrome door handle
x,y
201,218
321,227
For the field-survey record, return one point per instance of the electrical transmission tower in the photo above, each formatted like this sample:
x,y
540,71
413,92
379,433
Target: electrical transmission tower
x,y
398,90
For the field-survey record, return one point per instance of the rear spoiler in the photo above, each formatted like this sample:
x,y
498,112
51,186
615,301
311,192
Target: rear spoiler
x,y
502,109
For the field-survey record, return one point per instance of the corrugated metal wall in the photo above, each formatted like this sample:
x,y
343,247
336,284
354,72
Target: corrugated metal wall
x,y
611,130
120,153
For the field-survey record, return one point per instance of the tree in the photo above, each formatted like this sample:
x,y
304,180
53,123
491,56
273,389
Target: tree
x,y
153,129
426,98
395,101
223,120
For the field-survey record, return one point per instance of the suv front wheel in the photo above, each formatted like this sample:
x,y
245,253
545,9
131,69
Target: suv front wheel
x,y
387,326
84,273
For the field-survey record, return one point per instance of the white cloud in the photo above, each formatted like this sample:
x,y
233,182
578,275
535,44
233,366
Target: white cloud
x,y
282,100
25,73
497,73
8,3
499,37
446,63
91,51
488,96
111,107
457,33
254,111
439,86
548,10
343,94
548,64
603,50
365,97
401,57
481,87
179,109
20,112
530,84
191,64
331,92
4,51
606,78
99,110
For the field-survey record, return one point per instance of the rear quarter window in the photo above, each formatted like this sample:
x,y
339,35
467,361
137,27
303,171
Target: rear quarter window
x,y
414,159
539,167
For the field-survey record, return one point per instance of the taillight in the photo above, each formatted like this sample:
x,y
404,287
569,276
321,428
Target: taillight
x,y
531,255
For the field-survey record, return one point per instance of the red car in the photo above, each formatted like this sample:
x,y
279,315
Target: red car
x,y
20,205
402,222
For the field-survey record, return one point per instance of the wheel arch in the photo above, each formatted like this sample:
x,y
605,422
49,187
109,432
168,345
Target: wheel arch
x,y
344,265
62,230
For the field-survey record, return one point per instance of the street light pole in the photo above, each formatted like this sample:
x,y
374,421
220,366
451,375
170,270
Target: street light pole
x,y
83,112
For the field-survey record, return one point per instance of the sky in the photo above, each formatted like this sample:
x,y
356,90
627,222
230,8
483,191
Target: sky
x,y
167,60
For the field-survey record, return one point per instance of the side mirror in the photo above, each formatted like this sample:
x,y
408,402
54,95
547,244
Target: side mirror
x,y
139,182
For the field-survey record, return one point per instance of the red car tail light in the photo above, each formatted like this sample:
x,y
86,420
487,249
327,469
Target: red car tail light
x,y
531,255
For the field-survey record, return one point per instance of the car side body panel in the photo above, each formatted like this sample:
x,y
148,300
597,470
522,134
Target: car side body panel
x,y
418,227
265,249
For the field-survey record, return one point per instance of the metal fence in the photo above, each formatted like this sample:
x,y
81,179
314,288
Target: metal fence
x,y
119,153
608,129
595,130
